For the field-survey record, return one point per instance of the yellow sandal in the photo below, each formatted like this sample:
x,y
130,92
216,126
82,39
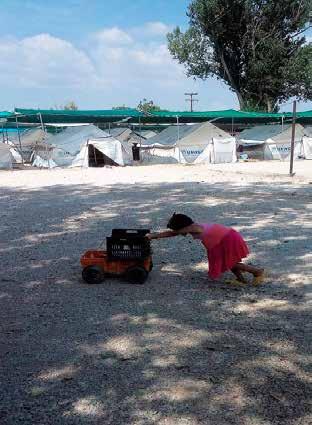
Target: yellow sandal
x,y
234,282
257,280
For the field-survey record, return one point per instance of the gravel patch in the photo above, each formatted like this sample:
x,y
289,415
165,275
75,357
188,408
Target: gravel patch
x,y
180,349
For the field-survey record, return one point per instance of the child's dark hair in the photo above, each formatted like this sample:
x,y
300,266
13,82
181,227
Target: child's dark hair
x,y
179,221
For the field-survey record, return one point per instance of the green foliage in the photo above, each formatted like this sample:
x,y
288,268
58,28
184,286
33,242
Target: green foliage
x,y
121,108
255,46
69,106
146,106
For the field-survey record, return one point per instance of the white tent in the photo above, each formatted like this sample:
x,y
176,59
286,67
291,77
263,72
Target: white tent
x,y
199,143
100,152
29,142
271,141
67,144
161,155
16,156
125,134
218,151
121,133
42,161
307,143
84,146
147,134
308,131
6,159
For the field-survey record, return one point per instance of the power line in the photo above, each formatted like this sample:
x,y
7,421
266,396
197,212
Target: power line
x,y
191,99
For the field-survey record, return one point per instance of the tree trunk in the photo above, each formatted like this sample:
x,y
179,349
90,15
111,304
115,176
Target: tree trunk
x,y
240,100
230,79
269,105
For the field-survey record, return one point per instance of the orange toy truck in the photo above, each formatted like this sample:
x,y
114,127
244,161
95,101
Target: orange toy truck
x,y
128,255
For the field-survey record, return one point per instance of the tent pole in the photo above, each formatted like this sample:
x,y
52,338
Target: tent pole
x,y
84,157
19,138
293,135
3,139
41,122
109,128
282,122
232,126
178,124
140,132
95,160
43,129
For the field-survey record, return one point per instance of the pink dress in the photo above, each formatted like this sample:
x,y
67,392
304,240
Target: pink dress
x,y
225,247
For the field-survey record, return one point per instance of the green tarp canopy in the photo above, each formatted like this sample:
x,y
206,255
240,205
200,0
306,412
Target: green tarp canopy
x,y
305,114
5,114
81,116
227,116
301,117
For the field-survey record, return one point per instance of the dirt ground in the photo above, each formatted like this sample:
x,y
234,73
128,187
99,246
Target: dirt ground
x,y
180,349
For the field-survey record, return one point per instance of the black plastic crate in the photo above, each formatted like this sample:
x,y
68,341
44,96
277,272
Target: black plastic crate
x,y
128,244
129,233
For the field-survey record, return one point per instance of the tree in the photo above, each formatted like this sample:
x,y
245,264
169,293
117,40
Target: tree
x,y
147,106
70,106
256,47
121,108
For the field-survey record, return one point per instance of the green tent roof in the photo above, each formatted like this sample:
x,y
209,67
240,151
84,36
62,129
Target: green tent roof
x,y
305,114
78,113
133,116
221,116
226,116
5,114
228,113
68,116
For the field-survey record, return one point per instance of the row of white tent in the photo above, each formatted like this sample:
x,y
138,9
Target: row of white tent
x,y
206,143
76,146
274,142
84,146
199,143
87,145
176,144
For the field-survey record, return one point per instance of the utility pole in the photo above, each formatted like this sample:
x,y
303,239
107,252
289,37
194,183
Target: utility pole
x,y
190,99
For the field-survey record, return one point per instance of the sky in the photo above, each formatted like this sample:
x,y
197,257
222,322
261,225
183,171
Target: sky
x,y
99,54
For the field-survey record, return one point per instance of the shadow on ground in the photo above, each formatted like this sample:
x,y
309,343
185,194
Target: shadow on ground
x,y
178,350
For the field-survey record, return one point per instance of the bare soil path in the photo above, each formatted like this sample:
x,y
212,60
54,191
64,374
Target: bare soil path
x,y
179,350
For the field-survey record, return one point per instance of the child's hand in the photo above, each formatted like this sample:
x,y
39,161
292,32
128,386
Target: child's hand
x,y
149,236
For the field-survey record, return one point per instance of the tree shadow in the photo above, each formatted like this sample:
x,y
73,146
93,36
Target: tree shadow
x,y
180,349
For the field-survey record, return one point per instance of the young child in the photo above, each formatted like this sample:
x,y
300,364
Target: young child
x,y
225,246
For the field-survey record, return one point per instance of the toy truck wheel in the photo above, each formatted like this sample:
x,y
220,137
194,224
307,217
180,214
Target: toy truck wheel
x,y
93,275
136,275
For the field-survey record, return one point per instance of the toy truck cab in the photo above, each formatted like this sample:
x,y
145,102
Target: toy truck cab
x,y
127,254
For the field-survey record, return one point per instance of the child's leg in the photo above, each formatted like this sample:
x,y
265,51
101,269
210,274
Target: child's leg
x,y
238,274
249,269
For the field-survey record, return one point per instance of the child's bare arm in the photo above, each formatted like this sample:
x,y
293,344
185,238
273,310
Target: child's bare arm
x,y
160,235
193,228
